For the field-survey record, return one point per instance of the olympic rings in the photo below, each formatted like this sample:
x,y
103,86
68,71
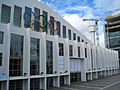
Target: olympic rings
x,y
40,24
50,27
25,19
35,20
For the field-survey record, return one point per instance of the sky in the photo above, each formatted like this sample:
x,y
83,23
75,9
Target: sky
x,y
74,11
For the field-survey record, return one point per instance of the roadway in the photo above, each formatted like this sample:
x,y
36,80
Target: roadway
x,y
108,83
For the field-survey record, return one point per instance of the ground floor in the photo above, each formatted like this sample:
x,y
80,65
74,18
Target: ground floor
x,y
50,81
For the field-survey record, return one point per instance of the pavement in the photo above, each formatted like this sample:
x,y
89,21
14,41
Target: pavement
x,y
107,83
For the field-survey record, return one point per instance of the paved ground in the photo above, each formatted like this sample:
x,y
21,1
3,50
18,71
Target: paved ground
x,y
108,83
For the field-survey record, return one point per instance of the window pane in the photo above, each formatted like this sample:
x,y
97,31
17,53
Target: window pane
x,y
114,42
61,49
5,14
70,50
64,31
49,57
0,59
35,84
51,25
17,16
59,29
16,85
78,39
85,52
74,36
45,20
1,37
34,56
16,55
28,17
69,34
78,51
37,13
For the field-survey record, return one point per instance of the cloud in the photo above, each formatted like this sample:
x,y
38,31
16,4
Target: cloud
x,y
106,5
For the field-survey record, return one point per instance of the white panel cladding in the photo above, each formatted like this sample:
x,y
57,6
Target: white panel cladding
x,y
61,64
75,65
82,50
94,58
88,59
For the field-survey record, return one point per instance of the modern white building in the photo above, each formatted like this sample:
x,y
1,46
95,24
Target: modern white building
x,y
33,60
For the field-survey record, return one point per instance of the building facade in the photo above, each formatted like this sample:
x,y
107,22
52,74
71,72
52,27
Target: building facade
x,y
34,58
112,33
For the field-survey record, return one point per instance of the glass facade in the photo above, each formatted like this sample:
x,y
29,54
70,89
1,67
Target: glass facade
x,y
64,31
59,29
16,55
1,37
28,17
45,20
61,49
69,34
35,84
49,57
70,50
16,85
114,42
37,13
78,51
34,56
114,33
0,59
17,16
5,14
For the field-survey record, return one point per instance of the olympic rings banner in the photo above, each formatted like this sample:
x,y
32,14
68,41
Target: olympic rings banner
x,y
36,23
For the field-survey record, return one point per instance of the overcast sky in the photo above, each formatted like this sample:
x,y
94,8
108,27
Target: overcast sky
x,y
74,11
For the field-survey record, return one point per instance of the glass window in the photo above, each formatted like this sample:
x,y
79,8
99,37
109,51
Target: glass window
x,y
34,56
49,82
35,84
92,59
51,25
37,13
70,50
114,42
59,29
5,14
64,31
16,85
49,57
17,16
0,59
61,49
78,51
114,33
1,37
16,55
28,17
69,34
74,36
78,39
45,20
85,52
